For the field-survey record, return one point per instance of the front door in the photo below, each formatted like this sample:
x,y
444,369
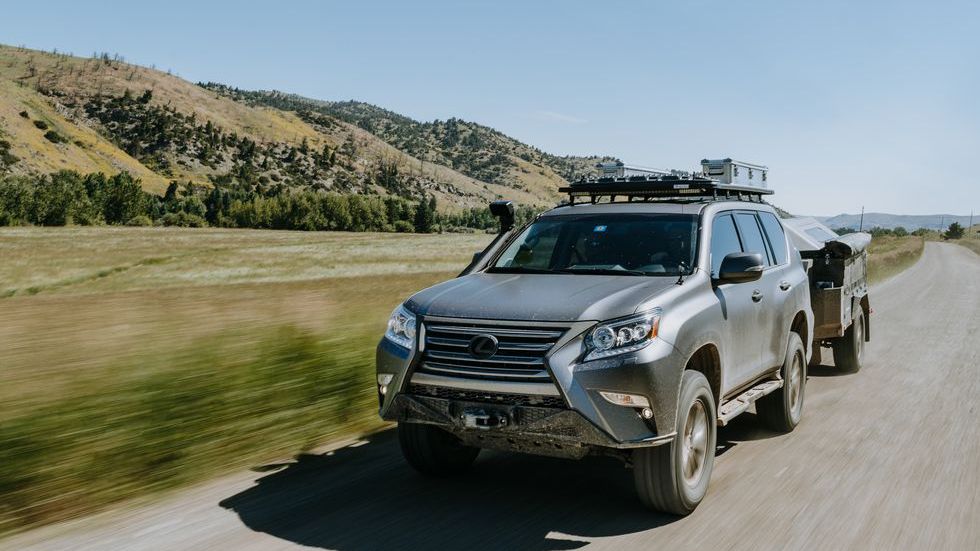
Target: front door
x,y
740,307
765,295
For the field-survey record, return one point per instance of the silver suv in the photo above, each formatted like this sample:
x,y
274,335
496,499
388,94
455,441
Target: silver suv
x,y
625,328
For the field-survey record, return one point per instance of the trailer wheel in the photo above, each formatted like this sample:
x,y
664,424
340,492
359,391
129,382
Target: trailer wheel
x,y
673,478
433,451
781,411
849,349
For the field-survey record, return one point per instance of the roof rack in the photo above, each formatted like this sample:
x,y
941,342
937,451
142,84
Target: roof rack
x,y
649,188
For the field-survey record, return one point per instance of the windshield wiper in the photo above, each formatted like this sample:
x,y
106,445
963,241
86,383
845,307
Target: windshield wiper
x,y
518,270
602,271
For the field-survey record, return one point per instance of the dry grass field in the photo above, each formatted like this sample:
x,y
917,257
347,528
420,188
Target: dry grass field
x,y
971,240
133,360
889,255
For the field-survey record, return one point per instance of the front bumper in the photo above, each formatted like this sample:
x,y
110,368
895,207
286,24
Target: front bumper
x,y
579,420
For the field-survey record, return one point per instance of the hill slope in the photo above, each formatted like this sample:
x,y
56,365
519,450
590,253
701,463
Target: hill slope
x,y
102,114
473,149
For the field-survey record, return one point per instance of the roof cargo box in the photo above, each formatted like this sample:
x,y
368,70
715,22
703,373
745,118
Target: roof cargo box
x,y
736,173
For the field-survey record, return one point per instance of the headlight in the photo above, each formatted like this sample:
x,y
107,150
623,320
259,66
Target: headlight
x,y
401,327
623,335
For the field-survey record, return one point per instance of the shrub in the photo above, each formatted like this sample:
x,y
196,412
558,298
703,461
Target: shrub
x,y
139,220
6,157
41,125
183,220
403,226
54,137
24,114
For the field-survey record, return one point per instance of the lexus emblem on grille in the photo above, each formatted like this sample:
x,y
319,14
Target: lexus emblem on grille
x,y
483,346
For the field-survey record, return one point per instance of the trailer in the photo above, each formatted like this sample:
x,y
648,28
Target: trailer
x,y
837,268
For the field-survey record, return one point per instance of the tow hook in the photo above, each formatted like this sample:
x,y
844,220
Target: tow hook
x,y
483,420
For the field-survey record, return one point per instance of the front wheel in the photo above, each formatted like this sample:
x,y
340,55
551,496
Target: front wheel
x,y
433,451
673,478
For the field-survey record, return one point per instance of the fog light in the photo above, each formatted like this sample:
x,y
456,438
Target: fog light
x,y
628,400
384,379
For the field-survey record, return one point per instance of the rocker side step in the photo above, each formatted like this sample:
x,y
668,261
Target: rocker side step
x,y
730,409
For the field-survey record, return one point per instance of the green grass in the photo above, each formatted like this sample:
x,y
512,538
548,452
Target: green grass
x,y
222,403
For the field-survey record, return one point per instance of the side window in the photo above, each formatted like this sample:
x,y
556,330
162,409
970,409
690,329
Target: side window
x,y
752,239
774,230
724,240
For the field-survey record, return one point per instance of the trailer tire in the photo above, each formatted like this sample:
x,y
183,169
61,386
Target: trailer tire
x,y
782,410
673,478
433,451
849,349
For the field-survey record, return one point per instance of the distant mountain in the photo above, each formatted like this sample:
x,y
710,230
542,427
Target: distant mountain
x,y
891,221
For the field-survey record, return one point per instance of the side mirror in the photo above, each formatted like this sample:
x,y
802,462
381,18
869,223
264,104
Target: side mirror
x,y
741,268
476,257
504,212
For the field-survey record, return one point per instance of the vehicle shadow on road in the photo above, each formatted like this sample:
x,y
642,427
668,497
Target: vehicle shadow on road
x,y
744,428
824,370
366,497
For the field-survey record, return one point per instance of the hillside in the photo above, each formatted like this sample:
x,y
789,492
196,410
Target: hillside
x,y
102,114
890,221
473,149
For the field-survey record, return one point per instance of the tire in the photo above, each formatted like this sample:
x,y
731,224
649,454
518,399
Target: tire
x,y
782,410
433,451
673,478
849,349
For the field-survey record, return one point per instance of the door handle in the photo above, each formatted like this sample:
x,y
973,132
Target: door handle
x,y
784,285
756,295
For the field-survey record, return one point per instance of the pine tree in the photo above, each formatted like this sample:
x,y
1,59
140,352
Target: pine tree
x,y
425,215
955,231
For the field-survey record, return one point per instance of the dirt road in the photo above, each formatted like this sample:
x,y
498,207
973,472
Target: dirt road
x,y
888,458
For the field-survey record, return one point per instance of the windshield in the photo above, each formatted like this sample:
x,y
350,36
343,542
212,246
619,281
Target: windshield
x,y
615,244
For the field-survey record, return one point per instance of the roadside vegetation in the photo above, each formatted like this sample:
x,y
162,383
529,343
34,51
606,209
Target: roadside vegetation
x,y
888,255
967,237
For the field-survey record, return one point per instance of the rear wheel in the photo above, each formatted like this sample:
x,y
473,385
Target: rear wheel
x,y
433,451
673,478
781,411
849,349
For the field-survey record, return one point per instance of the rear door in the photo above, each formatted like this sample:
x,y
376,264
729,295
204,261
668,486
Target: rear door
x,y
779,286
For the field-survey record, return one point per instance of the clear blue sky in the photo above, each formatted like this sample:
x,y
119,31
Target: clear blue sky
x,y
873,104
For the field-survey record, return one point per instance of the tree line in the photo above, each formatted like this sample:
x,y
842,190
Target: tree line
x,y
68,197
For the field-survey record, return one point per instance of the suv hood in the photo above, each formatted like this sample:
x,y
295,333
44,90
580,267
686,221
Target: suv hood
x,y
538,297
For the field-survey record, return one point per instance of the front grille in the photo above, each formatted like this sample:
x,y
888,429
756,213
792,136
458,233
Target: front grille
x,y
499,398
519,357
